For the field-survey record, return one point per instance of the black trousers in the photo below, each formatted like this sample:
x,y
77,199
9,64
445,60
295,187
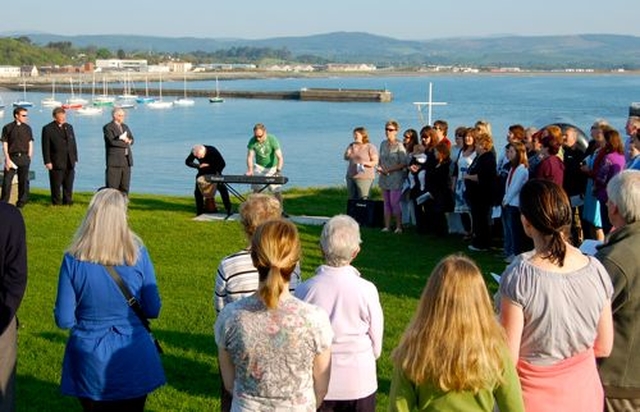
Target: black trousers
x,y
62,178
118,178
481,223
224,194
23,162
366,404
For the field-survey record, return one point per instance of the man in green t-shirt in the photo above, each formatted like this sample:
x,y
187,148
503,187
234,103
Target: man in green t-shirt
x,y
264,158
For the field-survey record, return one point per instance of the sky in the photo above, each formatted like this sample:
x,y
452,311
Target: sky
x,y
253,19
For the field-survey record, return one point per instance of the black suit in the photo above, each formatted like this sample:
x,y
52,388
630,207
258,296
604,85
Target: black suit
x,y
119,156
59,148
216,164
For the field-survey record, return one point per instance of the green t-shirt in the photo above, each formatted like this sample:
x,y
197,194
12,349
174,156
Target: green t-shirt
x,y
266,151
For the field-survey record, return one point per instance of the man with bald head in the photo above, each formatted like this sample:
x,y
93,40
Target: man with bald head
x,y
208,161
118,140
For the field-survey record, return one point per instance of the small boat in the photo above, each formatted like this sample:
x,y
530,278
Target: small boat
x,y
159,103
23,102
216,98
146,98
89,111
51,100
71,106
74,100
104,99
184,101
127,92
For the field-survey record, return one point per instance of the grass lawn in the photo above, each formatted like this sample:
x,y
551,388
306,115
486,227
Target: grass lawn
x,y
186,254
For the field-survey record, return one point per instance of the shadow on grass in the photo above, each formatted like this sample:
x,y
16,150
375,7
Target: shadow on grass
x,y
34,394
55,337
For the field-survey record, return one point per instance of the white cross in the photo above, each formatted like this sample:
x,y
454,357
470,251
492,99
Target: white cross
x,y
429,105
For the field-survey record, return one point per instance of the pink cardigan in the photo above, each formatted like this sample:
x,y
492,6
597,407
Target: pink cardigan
x,y
353,306
572,384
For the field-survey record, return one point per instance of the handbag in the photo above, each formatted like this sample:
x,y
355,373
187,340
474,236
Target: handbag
x,y
133,304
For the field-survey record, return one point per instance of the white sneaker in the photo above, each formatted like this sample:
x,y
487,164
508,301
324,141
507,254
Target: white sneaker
x,y
385,229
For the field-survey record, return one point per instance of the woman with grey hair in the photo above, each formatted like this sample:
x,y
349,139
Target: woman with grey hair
x,y
353,306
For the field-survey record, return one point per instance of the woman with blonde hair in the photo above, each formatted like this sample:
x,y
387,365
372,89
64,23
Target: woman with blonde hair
x,y
274,349
363,158
110,361
480,182
453,355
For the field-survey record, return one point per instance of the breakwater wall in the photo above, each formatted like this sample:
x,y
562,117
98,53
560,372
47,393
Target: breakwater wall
x,y
307,94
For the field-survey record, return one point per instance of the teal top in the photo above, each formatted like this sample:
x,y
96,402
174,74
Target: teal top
x,y
406,396
265,151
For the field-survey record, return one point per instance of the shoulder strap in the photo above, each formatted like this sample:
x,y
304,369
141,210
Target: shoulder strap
x,y
131,300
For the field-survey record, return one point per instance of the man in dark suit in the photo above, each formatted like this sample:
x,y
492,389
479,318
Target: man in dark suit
x,y
60,155
208,161
118,140
17,146
13,282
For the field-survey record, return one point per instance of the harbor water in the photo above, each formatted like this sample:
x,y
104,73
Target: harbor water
x,y
314,135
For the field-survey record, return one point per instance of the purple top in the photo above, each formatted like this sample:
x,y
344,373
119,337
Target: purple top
x,y
551,168
612,164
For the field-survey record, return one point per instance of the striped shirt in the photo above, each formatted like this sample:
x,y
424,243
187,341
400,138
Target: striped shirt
x,y
238,278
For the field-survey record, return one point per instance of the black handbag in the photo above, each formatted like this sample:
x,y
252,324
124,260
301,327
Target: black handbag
x,y
133,304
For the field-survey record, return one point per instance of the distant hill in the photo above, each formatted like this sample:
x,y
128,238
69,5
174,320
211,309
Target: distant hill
x,y
544,52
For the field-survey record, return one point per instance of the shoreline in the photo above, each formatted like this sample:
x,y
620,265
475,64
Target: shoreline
x,y
62,78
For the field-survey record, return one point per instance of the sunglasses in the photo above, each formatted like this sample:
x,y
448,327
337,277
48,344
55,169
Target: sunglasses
x,y
388,129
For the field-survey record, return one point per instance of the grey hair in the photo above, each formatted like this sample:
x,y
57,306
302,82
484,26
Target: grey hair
x,y
197,148
624,192
340,240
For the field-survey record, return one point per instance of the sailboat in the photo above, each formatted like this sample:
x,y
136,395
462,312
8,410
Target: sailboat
x,y
146,98
160,104
74,102
127,100
216,98
51,100
104,99
91,110
23,102
184,101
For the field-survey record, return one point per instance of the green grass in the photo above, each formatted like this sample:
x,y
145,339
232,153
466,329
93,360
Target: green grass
x,y
185,254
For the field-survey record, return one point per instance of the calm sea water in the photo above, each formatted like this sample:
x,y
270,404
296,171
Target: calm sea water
x,y
314,134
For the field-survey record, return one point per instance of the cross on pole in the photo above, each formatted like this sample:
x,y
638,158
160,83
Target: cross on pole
x,y
429,104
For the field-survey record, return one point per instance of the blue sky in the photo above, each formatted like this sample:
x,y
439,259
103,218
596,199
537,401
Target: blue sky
x,y
252,19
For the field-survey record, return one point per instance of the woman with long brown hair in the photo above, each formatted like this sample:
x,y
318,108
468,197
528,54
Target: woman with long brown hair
x,y
555,305
274,349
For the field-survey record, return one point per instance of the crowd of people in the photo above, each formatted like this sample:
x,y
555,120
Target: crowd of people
x,y
562,332
470,187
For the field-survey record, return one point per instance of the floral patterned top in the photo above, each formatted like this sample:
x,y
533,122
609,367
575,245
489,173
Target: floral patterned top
x,y
273,352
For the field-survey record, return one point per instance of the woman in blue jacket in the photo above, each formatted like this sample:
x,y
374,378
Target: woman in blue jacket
x,y
110,361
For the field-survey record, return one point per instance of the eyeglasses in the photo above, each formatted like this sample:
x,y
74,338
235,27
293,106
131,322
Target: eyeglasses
x,y
437,128
389,129
24,115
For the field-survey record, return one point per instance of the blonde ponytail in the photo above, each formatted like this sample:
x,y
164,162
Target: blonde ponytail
x,y
275,251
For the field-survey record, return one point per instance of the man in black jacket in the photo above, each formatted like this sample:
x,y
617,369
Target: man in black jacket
x,y
17,146
60,155
208,161
13,282
118,140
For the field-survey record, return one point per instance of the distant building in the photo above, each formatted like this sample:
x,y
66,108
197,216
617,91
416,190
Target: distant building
x,y
29,71
180,67
290,68
139,65
337,67
9,71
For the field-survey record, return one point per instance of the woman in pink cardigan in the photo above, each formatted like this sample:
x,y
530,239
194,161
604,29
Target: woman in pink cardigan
x,y
354,310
